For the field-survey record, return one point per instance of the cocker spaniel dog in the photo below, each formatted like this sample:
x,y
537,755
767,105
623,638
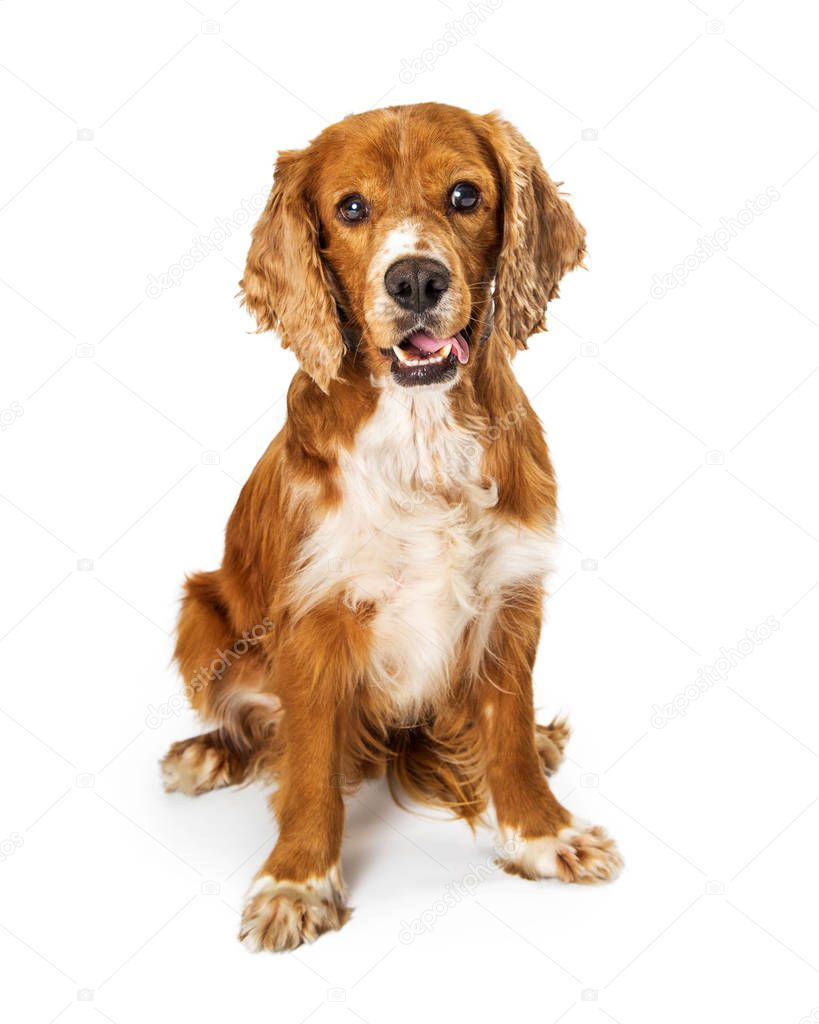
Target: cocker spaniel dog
x,y
379,604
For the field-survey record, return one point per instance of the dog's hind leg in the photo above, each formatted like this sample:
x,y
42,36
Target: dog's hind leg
x,y
551,743
222,674
202,763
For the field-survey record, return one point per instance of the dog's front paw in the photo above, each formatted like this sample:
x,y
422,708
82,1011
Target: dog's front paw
x,y
578,853
281,915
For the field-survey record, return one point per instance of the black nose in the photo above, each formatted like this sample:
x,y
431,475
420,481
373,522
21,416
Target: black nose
x,y
416,284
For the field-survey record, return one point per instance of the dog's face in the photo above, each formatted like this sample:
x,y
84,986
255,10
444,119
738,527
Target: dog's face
x,y
410,221
391,229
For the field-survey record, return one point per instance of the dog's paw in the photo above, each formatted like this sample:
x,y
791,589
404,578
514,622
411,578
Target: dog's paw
x,y
196,766
578,853
551,743
281,915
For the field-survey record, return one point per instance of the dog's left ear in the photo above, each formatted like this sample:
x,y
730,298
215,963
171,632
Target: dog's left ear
x,y
286,285
542,238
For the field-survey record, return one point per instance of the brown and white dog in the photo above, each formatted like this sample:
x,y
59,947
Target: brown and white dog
x,y
379,604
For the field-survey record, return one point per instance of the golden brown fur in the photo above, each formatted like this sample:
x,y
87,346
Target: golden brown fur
x,y
296,701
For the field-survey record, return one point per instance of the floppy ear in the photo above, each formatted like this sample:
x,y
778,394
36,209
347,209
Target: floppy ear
x,y
286,285
541,237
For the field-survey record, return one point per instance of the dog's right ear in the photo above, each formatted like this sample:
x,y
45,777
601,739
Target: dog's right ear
x,y
286,285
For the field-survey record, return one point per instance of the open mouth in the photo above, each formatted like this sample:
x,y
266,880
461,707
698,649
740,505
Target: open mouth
x,y
422,359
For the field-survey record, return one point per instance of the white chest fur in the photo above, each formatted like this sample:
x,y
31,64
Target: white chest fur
x,y
417,539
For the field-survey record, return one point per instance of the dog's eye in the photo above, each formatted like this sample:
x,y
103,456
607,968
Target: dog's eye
x,y
464,196
353,208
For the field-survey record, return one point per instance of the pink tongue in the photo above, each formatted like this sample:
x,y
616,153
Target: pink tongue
x,y
427,345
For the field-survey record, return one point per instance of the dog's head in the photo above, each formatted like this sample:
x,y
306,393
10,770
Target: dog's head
x,y
392,235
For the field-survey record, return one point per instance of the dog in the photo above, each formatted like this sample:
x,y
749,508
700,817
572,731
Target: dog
x,y
379,604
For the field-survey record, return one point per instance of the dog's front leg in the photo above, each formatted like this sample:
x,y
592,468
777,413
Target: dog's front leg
x,y
539,837
298,894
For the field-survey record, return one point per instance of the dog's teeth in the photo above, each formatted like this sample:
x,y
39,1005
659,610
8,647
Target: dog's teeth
x,y
408,360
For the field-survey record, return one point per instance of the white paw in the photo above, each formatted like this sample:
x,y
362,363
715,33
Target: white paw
x,y
281,915
194,766
578,853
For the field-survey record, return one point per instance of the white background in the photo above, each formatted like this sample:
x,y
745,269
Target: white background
x,y
130,422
